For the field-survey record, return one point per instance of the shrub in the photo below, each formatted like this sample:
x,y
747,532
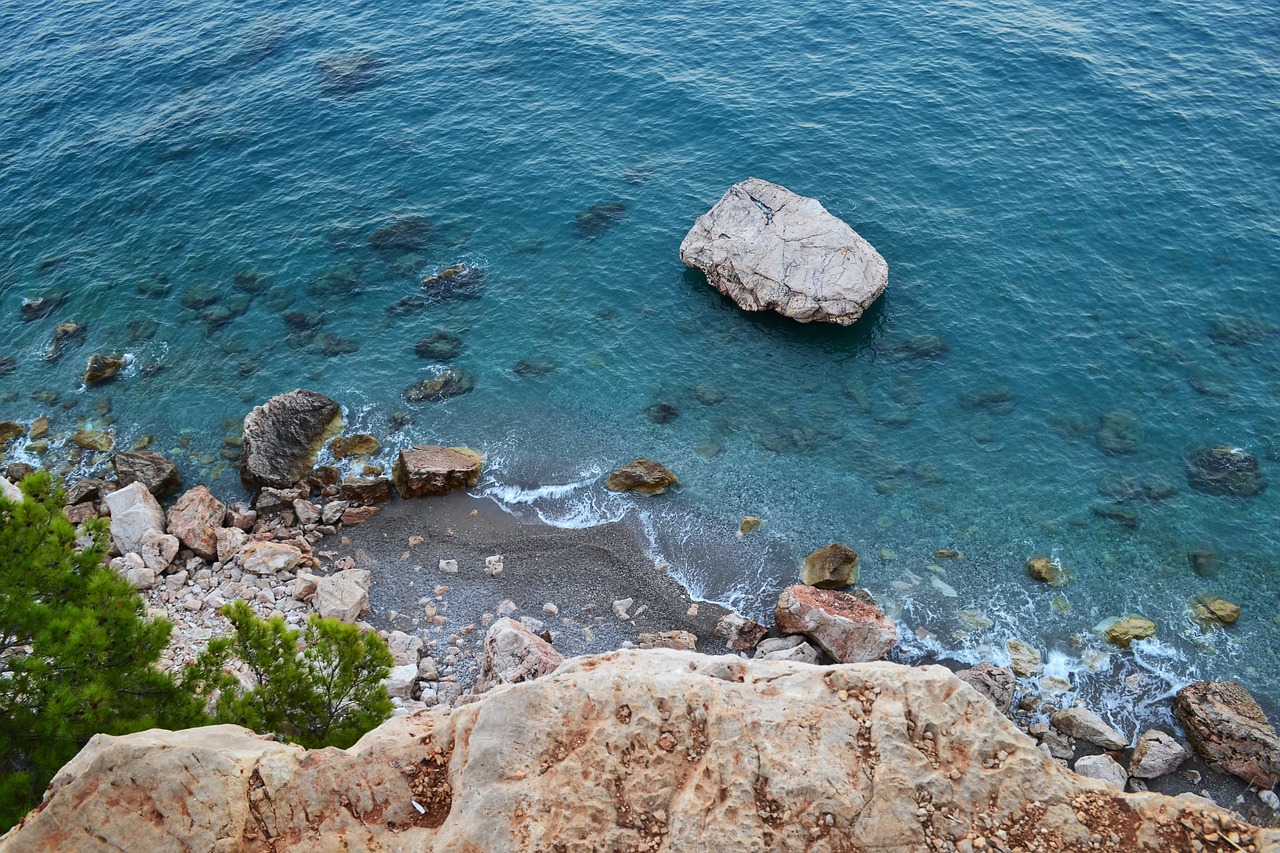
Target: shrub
x,y
328,693
77,656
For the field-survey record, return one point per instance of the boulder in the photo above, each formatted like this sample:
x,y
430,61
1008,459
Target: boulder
x,y
848,626
643,476
158,474
997,683
740,634
9,430
1229,730
1124,631
9,491
786,648
404,648
1049,570
1024,658
230,541
344,595
134,511
1081,723
268,558
831,567
93,439
281,438
765,247
1102,767
400,681
513,654
101,368
429,469
441,385
195,520
366,490
360,444
1208,609
657,750
358,514
1225,471
157,550
1156,754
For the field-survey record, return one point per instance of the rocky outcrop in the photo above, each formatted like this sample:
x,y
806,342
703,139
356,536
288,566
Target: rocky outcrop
x,y
656,750
512,654
642,475
158,474
195,520
134,511
767,248
429,469
1228,728
1225,471
848,626
282,435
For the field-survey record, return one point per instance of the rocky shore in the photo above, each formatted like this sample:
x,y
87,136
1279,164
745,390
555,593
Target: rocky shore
x,y
470,599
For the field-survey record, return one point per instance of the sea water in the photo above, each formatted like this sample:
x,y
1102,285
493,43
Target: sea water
x,y
1078,203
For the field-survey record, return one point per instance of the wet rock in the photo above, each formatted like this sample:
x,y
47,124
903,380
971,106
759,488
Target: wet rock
x,y
1049,570
134,511
1229,730
767,248
348,73
158,474
1124,631
459,281
1156,754
9,430
513,654
1081,723
749,524
195,519
661,413
406,234
643,476
366,490
682,640
1203,561
93,439
1211,609
101,368
533,369
429,469
344,595
996,683
38,307
282,435
39,428
740,633
449,382
8,364
1123,515
360,444
831,567
1024,659
921,346
596,220
1119,433
1241,331
65,336
269,558
440,345
1103,768
1225,471
848,626
708,395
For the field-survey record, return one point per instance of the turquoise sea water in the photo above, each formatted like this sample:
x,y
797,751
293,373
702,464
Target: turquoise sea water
x,y
1079,199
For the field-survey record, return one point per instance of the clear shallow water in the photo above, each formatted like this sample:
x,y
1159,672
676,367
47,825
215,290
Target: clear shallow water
x,y
1069,195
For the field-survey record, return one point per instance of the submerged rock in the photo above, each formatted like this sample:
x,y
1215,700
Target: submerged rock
x,y
65,336
765,247
101,368
1119,433
429,469
661,413
281,438
93,439
38,307
1241,331
593,222
440,345
532,369
460,281
450,382
1226,471
1230,731
360,444
348,73
848,626
643,476
8,364
831,567
1049,570
406,234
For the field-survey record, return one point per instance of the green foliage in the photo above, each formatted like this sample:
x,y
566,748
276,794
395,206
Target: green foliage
x,y
328,694
77,656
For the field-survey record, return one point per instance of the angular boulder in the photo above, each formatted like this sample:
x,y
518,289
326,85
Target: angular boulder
x,y
134,511
643,476
1102,767
658,750
740,633
765,247
282,435
158,474
831,567
513,654
997,683
430,469
344,595
1133,627
195,520
268,558
1230,731
1079,722
1156,754
848,626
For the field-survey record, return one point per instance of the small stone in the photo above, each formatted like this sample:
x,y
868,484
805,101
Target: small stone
x,y
449,566
93,439
1049,570
621,608
749,524
550,609
493,565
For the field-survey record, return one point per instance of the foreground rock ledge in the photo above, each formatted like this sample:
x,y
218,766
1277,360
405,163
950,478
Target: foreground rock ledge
x,y
765,247
657,750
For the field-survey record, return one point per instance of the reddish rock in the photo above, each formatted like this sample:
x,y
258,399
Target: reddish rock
x,y
1225,725
195,520
429,469
740,634
359,515
849,626
366,490
81,512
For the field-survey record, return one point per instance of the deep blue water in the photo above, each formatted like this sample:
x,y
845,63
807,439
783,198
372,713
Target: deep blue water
x,y
1073,196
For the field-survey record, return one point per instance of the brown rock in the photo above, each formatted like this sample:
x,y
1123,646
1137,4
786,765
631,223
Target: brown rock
x,y
643,476
1230,731
101,368
81,512
269,558
681,640
93,439
832,567
778,757
39,428
360,444
740,634
1210,608
282,435
848,626
158,474
429,469
1131,628
195,520
1049,570
366,490
9,430
997,683
359,515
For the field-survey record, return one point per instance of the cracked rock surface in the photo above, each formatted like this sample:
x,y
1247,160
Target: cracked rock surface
x,y
633,750
767,248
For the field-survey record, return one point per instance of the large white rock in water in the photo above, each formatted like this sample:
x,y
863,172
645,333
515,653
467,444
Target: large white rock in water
x,y
657,750
765,247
